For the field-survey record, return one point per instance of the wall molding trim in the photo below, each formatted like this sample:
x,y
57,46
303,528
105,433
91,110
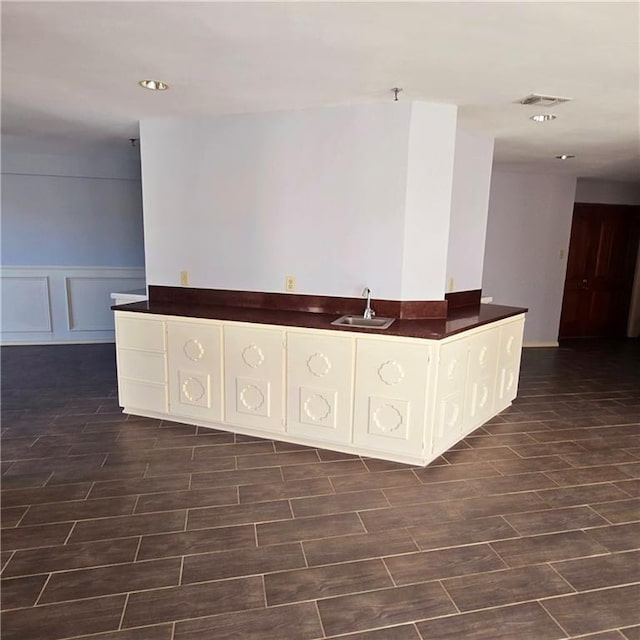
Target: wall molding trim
x,y
58,304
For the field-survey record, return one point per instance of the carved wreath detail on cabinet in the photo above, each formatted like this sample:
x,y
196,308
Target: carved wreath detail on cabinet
x,y
319,365
387,418
391,373
192,389
509,346
193,349
251,397
317,407
253,356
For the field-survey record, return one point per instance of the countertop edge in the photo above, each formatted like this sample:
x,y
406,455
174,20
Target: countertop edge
x,y
457,321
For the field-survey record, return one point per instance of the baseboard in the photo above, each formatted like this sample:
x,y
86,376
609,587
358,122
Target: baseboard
x,y
35,343
540,344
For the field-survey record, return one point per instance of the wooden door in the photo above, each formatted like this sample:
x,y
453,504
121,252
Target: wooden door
x,y
600,270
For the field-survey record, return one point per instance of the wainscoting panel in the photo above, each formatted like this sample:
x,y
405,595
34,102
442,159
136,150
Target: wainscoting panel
x,y
86,297
62,304
29,311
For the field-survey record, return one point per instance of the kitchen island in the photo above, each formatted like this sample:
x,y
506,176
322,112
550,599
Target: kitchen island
x,y
274,366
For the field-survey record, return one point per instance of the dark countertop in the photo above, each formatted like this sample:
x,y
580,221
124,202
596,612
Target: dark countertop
x,y
458,320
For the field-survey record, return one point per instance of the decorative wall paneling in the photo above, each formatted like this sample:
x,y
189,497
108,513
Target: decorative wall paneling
x,y
61,304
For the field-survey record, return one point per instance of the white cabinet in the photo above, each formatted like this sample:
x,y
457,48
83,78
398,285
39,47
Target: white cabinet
x,y
403,399
195,369
142,362
254,377
450,417
508,363
320,386
481,376
391,396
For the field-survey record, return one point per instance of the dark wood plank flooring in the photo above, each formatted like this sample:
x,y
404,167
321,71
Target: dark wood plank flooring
x,y
118,528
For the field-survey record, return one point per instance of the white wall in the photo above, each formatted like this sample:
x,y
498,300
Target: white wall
x,y
607,192
241,201
71,233
432,138
528,227
469,211
81,209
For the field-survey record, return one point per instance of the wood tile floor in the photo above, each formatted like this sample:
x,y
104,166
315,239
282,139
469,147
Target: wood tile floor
x,y
121,528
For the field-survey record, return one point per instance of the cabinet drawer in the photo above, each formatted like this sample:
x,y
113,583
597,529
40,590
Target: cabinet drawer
x,y
141,365
143,395
140,333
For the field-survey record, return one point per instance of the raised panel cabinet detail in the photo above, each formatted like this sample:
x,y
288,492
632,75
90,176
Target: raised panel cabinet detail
x,y
450,416
319,386
391,395
253,377
481,382
509,363
195,369
142,363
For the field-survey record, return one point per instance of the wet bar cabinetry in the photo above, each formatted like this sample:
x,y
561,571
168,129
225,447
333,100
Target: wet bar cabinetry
x,y
400,398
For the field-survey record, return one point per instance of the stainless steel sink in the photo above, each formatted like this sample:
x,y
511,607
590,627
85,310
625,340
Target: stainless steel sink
x,y
361,322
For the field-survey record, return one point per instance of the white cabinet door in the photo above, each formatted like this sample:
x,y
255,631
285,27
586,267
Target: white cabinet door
x,y
195,370
390,396
509,363
481,381
142,362
254,377
449,417
319,386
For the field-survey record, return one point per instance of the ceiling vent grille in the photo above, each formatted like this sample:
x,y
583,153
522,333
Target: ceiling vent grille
x,y
543,101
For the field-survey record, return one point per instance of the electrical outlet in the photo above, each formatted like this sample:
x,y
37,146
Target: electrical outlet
x,y
184,278
290,283
561,254
451,284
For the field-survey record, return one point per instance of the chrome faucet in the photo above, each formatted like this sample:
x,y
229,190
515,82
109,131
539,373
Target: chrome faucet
x,y
368,311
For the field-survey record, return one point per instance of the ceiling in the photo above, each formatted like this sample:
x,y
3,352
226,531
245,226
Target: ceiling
x,y
70,69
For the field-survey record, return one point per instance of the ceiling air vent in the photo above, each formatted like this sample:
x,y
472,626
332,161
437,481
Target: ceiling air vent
x,y
542,101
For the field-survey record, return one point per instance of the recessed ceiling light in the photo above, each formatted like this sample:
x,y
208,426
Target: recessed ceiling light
x,y
565,156
154,85
543,117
